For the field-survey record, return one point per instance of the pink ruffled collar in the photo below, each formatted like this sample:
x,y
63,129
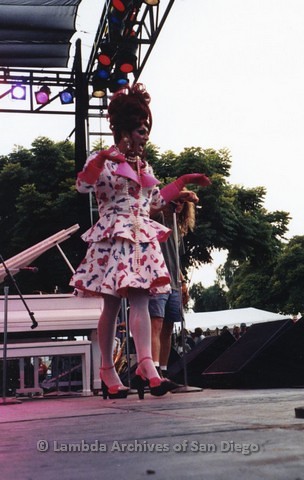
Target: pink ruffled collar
x,y
146,179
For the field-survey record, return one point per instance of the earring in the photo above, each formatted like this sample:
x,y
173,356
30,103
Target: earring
x,y
127,142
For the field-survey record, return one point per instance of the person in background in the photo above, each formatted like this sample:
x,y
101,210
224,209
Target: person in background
x,y
243,329
124,257
188,340
165,309
42,370
198,335
236,332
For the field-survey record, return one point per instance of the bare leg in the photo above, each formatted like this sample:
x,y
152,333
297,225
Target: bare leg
x,y
140,325
106,334
156,328
165,342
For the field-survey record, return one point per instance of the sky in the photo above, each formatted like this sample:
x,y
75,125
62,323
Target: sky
x,y
222,74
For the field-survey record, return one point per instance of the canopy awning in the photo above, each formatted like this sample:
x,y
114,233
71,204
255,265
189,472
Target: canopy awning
x,y
36,33
229,318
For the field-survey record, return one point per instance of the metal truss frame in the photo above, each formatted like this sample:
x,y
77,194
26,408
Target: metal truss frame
x,y
147,26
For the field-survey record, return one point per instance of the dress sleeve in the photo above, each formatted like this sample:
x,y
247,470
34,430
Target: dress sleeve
x,y
89,175
157,201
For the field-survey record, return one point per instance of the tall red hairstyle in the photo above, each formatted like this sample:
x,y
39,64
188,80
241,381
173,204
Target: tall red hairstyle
x,y
128,109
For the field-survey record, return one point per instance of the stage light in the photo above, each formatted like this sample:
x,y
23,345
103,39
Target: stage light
x,y
103,72
43,95
99,86
67,96
117,15
98,92
122,5
126,58
18,92
116,19
118,80
126,62
107,52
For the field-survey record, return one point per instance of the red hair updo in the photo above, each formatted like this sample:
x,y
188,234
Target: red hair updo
x,y
128,109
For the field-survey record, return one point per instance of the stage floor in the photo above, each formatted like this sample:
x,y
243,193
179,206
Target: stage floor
x,y
209,434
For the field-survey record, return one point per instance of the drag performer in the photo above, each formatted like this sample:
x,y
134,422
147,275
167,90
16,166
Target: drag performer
x,y
124,258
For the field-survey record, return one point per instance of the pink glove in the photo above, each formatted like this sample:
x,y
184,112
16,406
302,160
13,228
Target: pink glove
x,y
111,154
92,171
171,191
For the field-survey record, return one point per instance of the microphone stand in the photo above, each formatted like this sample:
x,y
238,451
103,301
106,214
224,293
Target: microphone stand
x,y
124,316
183,388
11,278
5,401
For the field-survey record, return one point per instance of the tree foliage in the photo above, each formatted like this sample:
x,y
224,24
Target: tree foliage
x,y
250,287
37,199
277,285
231,217
287,281
208,299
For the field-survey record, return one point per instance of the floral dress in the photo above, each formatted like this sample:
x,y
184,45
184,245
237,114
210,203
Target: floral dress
x,y
123,246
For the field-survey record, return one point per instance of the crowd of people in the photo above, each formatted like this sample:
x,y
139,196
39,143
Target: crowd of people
x,y
192,339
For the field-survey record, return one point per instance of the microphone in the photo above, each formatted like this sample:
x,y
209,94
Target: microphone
x,y
30,269
34,321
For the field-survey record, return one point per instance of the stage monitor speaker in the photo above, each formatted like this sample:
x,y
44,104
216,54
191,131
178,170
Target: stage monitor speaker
x,y
199,358
269,355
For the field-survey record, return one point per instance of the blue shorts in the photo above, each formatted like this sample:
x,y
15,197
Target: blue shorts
x,y
167,306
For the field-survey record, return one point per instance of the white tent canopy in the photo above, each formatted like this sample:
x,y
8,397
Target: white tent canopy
x,y
229,318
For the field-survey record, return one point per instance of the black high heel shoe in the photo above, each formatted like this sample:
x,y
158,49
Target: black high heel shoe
x,y
158,386
116,391
139,384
